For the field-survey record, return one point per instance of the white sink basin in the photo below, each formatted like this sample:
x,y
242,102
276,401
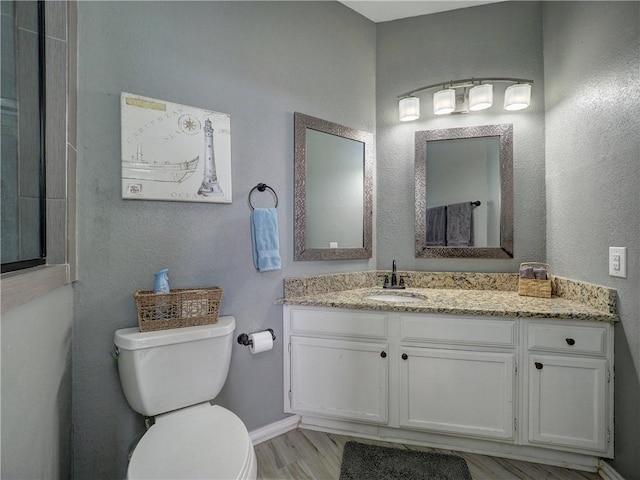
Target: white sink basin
x,y
393,298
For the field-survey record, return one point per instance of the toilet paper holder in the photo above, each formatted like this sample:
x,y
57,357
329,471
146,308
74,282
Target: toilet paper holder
x,y
243,338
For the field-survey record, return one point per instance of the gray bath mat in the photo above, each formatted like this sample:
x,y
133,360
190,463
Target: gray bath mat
x,y
370,462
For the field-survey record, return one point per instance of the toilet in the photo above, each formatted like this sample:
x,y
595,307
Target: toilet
x,y
172,375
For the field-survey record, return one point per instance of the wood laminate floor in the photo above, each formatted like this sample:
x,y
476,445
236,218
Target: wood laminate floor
x,y
307,454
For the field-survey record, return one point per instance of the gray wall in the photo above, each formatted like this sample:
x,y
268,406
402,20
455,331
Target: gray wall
x,y
36,336
36,388
592,93
503,40
259,62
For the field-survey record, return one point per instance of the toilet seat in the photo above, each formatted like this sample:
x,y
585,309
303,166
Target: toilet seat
x,y
204,441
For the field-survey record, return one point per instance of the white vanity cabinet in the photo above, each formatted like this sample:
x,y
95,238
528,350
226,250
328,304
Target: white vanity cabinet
x,y
538,389
569,368
339,365
458,375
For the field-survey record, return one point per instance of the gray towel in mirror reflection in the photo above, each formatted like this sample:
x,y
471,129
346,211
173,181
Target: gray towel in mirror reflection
x,y
437,226
460,225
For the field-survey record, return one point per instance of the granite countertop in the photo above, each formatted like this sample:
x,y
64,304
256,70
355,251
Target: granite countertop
x,y
504,303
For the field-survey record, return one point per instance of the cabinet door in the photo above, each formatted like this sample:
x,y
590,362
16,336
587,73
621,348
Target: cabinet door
x,y
340,379
460,392
567,402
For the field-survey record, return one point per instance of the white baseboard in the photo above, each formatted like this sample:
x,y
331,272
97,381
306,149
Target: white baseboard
x,y
274,429
607,472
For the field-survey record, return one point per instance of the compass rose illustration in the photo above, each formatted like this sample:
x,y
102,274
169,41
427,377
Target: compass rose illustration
x,y
189,124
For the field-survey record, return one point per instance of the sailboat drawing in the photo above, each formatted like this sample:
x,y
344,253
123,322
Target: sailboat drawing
x,y
139,169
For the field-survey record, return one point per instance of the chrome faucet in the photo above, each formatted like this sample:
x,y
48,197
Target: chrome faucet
x,y
394,276
394,284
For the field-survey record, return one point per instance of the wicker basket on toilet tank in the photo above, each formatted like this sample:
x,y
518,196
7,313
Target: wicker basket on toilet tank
x,y
181,307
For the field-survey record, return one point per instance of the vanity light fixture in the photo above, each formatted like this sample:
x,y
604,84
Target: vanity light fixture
x,y
462,96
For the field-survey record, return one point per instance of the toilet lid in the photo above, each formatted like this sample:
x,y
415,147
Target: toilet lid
x,y
205,441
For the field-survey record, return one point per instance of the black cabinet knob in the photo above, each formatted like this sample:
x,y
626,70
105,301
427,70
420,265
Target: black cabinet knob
x,y
383,354
570,341
538,365
405,356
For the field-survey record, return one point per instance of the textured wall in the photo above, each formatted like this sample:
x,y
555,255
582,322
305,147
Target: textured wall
x,y
259,62
36,336
592,95
503,40
36,388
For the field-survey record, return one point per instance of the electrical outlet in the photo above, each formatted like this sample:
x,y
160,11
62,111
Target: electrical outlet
x,y
333,244
618,262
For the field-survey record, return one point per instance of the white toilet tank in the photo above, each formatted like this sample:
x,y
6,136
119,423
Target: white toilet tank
x,y
170,369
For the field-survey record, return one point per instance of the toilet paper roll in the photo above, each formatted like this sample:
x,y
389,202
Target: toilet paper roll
x,y
260,342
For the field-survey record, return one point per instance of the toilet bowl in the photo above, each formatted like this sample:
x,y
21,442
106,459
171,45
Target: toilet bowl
x,y
204,442
173,375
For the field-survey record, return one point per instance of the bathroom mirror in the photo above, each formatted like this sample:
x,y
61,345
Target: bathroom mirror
x,y
333,188
464,192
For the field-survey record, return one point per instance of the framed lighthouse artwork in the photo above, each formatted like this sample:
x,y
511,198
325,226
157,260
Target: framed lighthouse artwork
x,y
174,152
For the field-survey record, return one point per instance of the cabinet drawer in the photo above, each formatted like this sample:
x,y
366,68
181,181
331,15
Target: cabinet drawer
x,y
338,322
590,340
458,330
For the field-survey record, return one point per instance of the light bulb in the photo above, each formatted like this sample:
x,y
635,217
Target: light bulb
x,y
517,97
481,97
409,109
444,101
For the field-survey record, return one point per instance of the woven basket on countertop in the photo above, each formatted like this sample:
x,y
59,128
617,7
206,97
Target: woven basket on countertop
x,y
181,307
531,287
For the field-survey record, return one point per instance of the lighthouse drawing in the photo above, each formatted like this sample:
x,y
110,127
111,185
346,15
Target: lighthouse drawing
x,y
210,186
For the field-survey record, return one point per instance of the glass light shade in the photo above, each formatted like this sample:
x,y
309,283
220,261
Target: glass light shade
x,y
517,97
444,101
409,109
481,97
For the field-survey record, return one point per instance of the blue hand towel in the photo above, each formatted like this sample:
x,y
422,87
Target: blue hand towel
x,y
265,240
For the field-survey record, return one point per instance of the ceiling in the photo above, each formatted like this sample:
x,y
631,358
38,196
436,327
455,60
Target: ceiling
x,y
385,10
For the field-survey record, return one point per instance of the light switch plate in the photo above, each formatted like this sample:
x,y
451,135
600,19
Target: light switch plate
x,y
618,262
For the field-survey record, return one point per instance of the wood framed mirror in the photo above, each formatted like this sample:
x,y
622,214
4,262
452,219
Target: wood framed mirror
x,y
464,192
333,190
